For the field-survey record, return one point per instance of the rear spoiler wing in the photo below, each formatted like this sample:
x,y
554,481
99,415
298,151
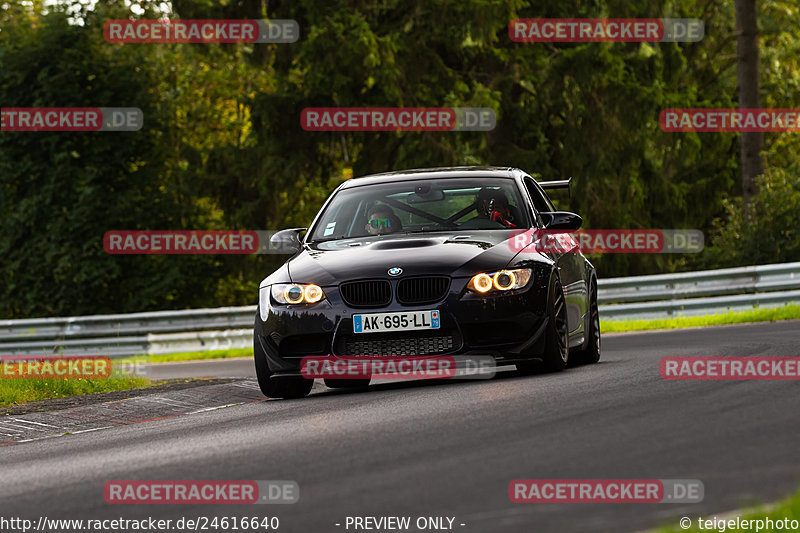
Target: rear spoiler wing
x,y
557,184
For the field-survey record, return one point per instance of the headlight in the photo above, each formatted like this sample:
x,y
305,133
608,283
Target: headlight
x,y
312,294
502,280
481,283
297,293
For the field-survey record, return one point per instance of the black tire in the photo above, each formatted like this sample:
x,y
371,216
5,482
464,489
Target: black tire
x,y
591,353
282,387
556,347
346,383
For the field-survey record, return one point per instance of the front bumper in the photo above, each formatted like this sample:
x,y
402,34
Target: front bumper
x,y
508,326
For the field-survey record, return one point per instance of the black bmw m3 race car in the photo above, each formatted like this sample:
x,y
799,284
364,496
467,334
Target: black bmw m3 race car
x,y
425,262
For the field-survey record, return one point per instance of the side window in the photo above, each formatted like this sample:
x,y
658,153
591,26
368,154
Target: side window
x,y
540,200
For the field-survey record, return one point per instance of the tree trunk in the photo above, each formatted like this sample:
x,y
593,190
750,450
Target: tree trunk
x,y
749,97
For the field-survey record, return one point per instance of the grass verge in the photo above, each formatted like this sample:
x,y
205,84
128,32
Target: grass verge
x,y
786,312
188,356
17,391
788,508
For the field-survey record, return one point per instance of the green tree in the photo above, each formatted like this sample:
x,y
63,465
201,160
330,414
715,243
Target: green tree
x,y
62,191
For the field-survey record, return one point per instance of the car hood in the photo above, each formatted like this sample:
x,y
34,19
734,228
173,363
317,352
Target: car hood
x,y
457,254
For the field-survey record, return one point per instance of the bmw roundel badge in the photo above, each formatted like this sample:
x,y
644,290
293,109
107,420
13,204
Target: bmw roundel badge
x,y
395,271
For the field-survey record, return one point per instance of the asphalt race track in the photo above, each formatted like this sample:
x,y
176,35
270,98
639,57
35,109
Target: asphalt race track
x,y
451,449
238,367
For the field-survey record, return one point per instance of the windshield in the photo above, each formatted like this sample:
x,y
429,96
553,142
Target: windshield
x,y
420,206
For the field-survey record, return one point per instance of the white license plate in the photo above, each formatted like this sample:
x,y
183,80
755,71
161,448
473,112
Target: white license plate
x,y
402,321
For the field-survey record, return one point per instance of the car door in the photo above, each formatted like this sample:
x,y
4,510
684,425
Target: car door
x,y
570,266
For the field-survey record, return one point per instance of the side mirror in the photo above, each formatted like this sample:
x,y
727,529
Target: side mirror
x,y
287,240
561,220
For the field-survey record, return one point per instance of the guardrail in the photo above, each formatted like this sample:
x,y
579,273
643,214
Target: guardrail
x,y
639,297
130,334
699,293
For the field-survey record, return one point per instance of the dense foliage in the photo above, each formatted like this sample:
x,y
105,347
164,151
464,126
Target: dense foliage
x,y
222,146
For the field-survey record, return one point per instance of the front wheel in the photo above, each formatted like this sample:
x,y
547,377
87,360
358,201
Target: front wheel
x,y
556,349
277,387
591,353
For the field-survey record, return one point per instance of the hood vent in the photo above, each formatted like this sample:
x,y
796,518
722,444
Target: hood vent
x,y
396,244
